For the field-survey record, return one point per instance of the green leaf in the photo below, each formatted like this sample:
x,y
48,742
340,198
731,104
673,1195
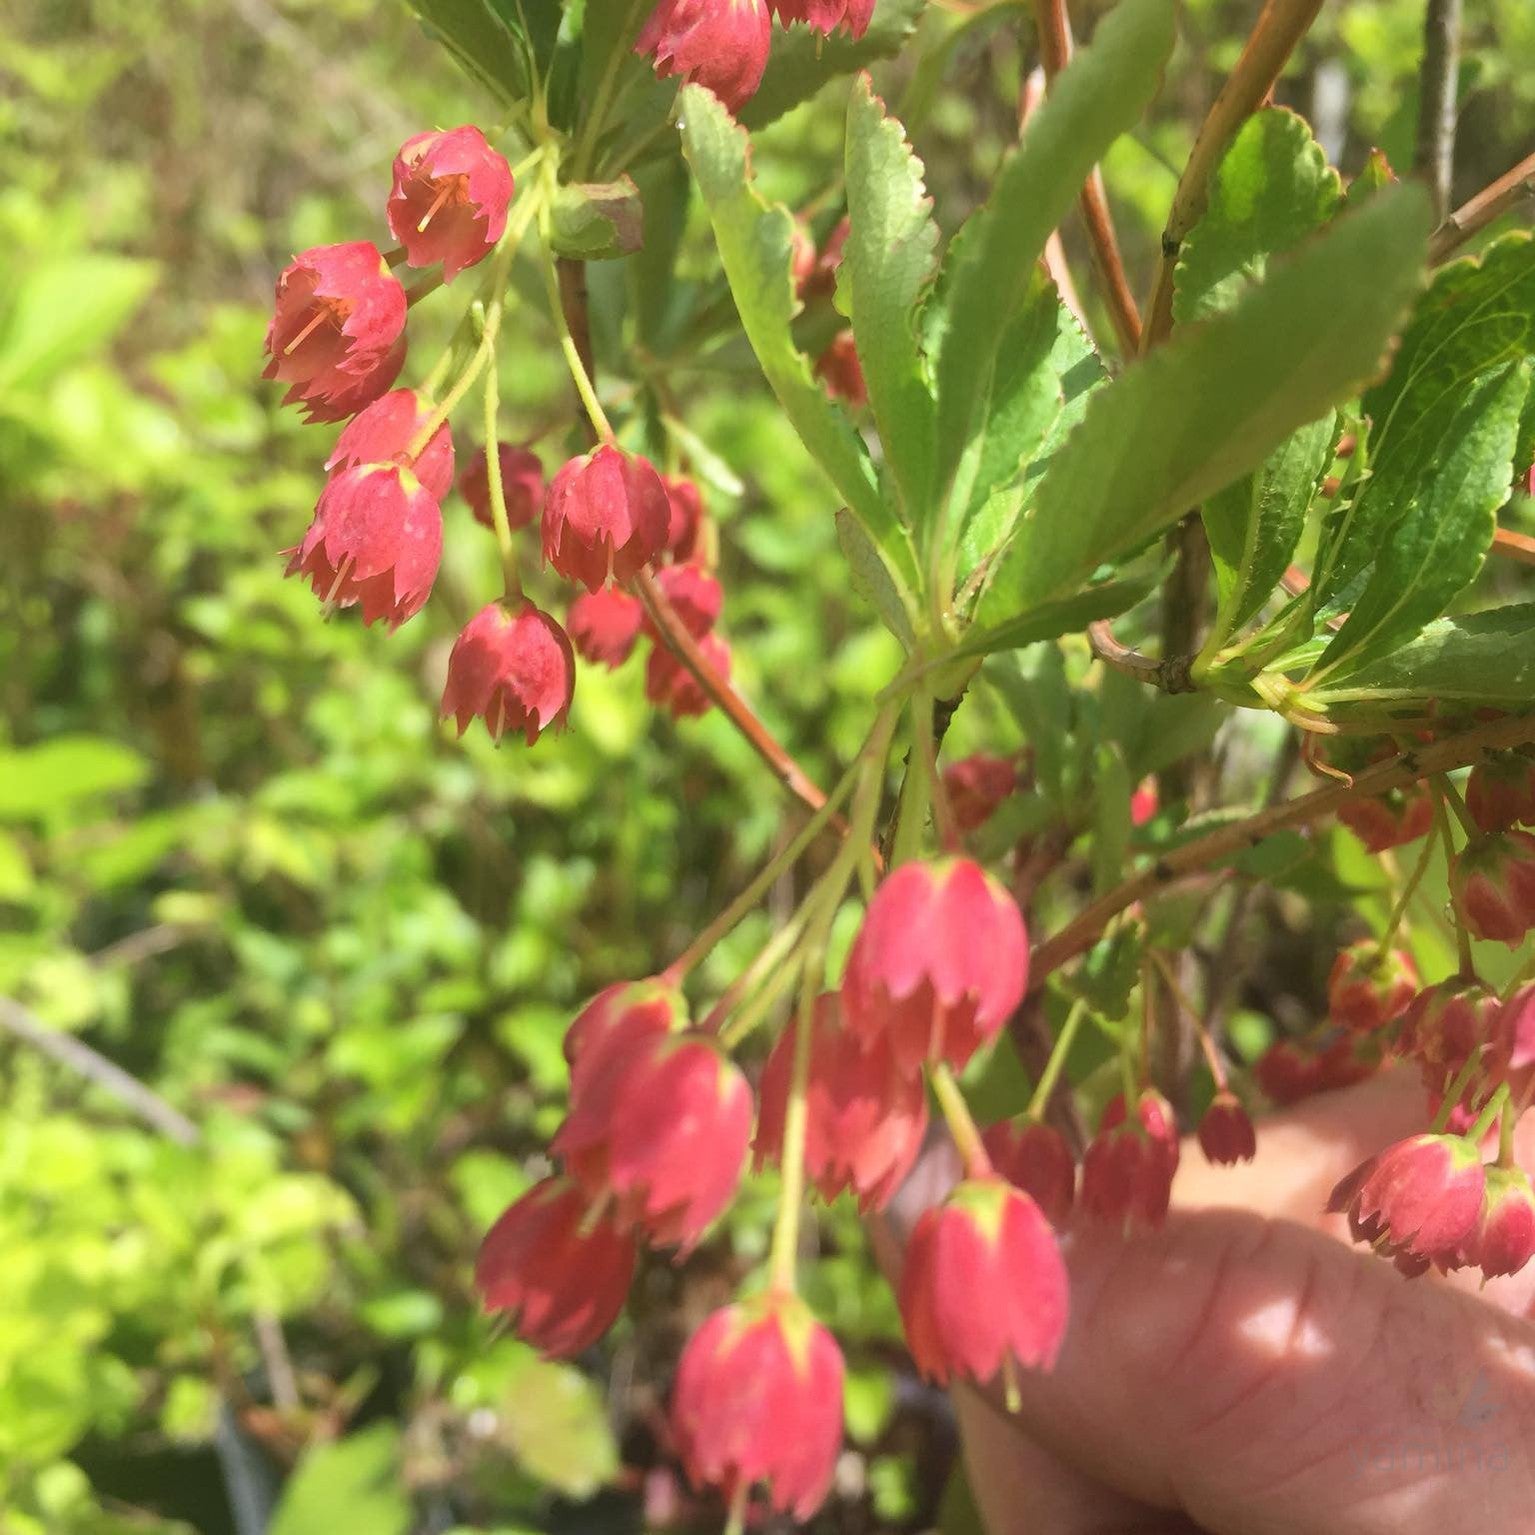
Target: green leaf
x,y
754,242
484,39
1273,188
1254,525
871,577
803,61
598,222
1215,401
1111,816
1476,318
62,313
1048,620
887,264
35,781
1487,659
1100,95
1439,542
353,1484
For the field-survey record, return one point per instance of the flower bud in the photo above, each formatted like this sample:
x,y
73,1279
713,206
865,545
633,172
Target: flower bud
x,y
1504,1238
983,1286
663,1130
939,964
386,432
376,541
671,686
522,485
722,44
1144,802
865,1119
758,1398
1226,1134
840,369
337,332
826,16
1445,1025
605,518
449,199
1492,886
1383,821
1500,792
605,625
1034,1157
976,786
686,506
695,597
1127,1170
618,1020
557,1266
514,670
1368,987
1290,1070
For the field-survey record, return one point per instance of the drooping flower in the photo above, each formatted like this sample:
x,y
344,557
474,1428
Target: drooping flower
x,y
1511,1053
605,517
976,786
386,432
375,541
1226,1134
605,625
1290,1070
939,964
449,199
686,506
337,332
826,16
1445,1025
1034,1157
758,1398
865,1119
619,1019
1127,1170
1370,987
1492,886
1383,821
1145,801
722,44
663,1131
1421,1197
514,669
522,485
671,686
1503,1241
695,597
983,1285
840,369
558,1266
1500,792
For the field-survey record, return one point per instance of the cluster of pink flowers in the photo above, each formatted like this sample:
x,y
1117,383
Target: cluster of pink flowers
x,y
338,340
724,44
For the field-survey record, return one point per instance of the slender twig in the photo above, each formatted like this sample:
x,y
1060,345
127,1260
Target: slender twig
x,y
1514,546
1491,202
1434,154
1280,26
1055,44
78,1056
1054,258
1191,858
1170,676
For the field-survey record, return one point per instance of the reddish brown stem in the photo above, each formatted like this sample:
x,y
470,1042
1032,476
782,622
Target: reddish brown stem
x,y
1055,45
1514,546
1491,202
1191,858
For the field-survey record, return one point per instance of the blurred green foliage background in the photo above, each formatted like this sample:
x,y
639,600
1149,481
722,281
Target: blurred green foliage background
x,y
239,859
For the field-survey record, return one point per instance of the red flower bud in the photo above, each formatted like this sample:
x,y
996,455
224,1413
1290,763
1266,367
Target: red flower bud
x,y
1127,1170
618,1020
1422,1196
337,334
758,1398
694,595
522,485
1511,1053
1501,792
1504,1238
939,964
1492,886
722,44
865,1119
686,506
376,541
1035,1158
815,273
1369,989
514,670
1290,1070
1144,802
605,625
559,1267
1445,1025
1226,1134
826,16
663,1129
671,686
983,1285
385,433
449,200
605,517
1382,821
976,786
839,368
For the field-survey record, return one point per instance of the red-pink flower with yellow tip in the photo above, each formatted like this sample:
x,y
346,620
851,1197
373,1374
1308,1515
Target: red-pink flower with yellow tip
x,y
387,431
1034,1157
449,199
605,517
1368,989
522,485
722,44
512,668
605,625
